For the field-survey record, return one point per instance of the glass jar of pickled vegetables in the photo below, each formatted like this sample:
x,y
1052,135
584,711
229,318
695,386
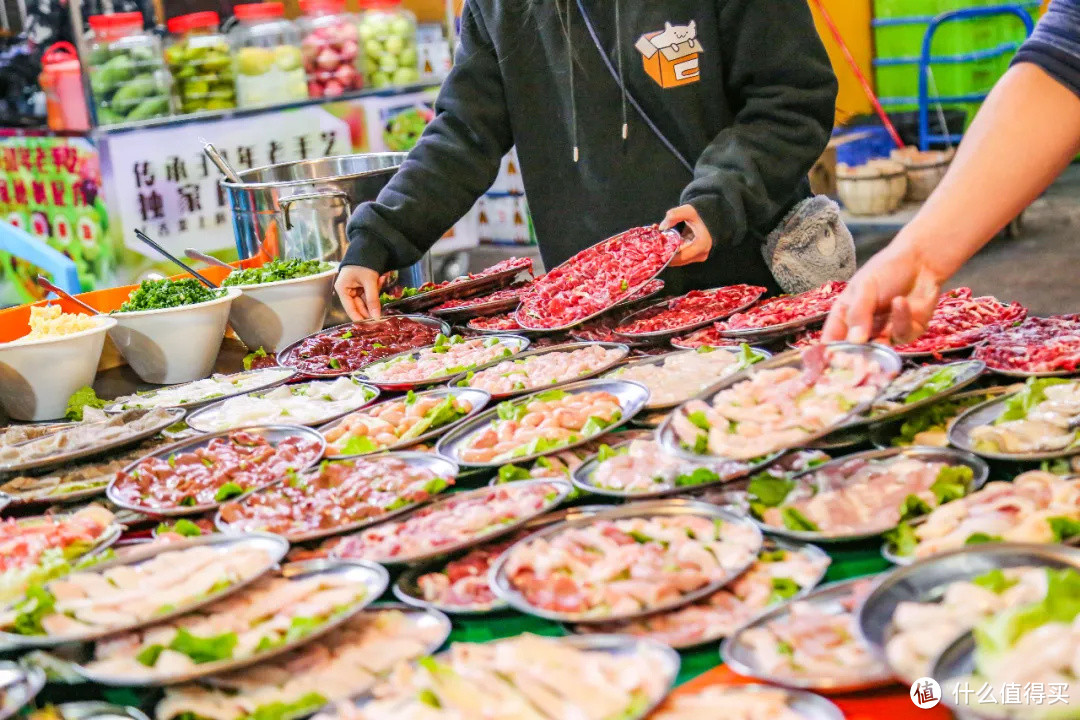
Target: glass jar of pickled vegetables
x,y
127,70
332,58
200,61
388,41
266,56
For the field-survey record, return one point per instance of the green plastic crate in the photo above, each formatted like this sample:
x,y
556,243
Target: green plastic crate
x,y
904,8
902,80
957,37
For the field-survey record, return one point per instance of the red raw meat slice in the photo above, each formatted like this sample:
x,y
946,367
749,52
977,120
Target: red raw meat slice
x,y
1049,344
695,307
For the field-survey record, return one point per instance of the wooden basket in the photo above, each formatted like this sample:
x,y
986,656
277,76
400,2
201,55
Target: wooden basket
x,y
876,188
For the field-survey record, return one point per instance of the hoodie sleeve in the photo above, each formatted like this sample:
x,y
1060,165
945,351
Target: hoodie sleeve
x,y
455,161
783,91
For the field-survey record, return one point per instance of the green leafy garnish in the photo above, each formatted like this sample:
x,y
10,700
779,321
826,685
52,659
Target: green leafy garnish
x,y
782,589
769,490
513,473
795,520
770,556
979,538
952,483
748,356
1064,528
183,527
37,603
203,650
250,358
335,363
913,507
149,655
698,476
166,293
1000,632
698,420
305,705
228,490
994,581
275,270
937,383
359,445
1019,405
81,399
902,539
507,410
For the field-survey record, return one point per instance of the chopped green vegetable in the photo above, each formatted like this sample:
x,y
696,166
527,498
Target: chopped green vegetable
x,y
1000,632
994,581
769,490
37,603
952,483
165,293
335,363
513,473
937,383
979,538
305,705
507,410
936,416
81,399
551,395
782,589
606,452
429,698
902,539
183,527
359,445
149,655
699,476
410,398
228,490
435,486
276,270
795,520
203,650
748,356
913,507
698,420
250,358
770,556
1064,528
1019,405
595,425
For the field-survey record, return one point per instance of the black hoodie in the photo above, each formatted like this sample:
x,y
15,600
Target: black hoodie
x,y
742,89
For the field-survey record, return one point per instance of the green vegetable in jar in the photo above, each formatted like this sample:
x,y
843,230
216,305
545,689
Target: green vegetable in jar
x,y
165,293
201,66
276,270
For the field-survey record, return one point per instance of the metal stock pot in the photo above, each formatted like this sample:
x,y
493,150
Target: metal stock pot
x,y
300,209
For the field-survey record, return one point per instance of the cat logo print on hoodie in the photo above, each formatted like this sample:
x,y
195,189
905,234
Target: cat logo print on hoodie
x,y
671,55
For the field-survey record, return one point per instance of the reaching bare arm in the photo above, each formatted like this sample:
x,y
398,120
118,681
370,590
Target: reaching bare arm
x,y
1023,137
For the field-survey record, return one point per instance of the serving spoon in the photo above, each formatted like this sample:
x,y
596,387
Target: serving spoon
x,y
198,276
46,285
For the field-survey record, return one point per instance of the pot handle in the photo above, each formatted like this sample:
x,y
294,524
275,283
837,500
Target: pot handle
x,y
287,202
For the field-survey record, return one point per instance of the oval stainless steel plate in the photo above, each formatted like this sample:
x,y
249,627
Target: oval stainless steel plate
x,y
61,458
644,294
884,356
468,312
627,294
806,705
656,335
20,683
516,344
477,398
373,578
274,376
505,589
565,348
285,356
936,353
773,332
441,466
274,434
632,398
92,710
198,419
828,597
769,544
408,591
727,470
985,414
957,661
881,434
980,470
923,581
469,286
667,669
969,373
562,490
275,548
658,360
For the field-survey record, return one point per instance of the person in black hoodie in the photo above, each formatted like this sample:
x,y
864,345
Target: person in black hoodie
x,y
624,113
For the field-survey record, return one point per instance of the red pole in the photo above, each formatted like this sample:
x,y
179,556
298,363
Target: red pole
x,y
859,74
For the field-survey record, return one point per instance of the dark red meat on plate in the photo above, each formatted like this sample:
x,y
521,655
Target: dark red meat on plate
x,y
597,278
1049,344
495,322
693,308
960,320
349,347
706,336
785,309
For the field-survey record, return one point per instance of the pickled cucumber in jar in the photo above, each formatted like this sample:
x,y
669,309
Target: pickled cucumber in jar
x,y
201,63
127,71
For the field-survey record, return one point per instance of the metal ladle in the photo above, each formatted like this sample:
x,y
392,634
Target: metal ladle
x,y
198,276
46,285
219,161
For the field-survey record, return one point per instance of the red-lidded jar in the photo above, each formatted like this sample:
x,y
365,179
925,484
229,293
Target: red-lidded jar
x,y
266,55
127,70
200,60
330,45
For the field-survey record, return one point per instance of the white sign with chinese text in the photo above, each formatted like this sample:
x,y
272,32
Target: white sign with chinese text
x,y
162,183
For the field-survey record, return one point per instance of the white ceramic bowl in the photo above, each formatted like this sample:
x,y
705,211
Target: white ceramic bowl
x,y
276,314
173,345
38,376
